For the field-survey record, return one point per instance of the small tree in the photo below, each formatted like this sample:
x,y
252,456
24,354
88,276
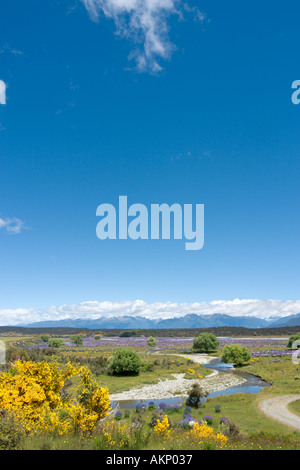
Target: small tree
x,y
205,343
293,339
56,343
235,354
125,362
195,395
151,341
77,339
45,338
128,334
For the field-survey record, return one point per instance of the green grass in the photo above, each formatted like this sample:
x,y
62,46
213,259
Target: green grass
x,y
283,375
243,409
294,407
13,339
256,433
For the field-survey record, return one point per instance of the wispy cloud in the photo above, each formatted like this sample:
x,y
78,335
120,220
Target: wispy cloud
x,y
140,308
11,50
2,92
12,225
145,23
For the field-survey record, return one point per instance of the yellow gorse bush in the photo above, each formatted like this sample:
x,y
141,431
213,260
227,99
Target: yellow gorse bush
x,y
162,427
203,432
32,392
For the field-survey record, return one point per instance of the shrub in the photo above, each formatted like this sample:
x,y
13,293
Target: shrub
x,y
148,367
292,340
236,354
34,392
157,415
48,352
99,365
151,341
56,343
205,435
45,338
77,339
230,429
162,427
195,395
14,353
125,362
11,432
206,342
127,334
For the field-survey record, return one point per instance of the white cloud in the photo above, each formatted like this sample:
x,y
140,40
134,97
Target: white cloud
x,y
145,23
94,309
2,92
12,225
7,48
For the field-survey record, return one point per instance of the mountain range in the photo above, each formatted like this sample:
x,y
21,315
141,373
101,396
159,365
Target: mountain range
x,y
187,321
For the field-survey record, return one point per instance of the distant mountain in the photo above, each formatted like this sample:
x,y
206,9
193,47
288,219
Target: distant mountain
x,y
291,320
210,321
125,323
129,322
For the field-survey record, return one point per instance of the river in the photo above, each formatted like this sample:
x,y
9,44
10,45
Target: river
x,y
252,384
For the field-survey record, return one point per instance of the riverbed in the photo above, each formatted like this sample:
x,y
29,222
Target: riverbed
x,y
223,380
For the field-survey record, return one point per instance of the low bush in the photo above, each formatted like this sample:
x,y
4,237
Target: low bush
x,y
125,362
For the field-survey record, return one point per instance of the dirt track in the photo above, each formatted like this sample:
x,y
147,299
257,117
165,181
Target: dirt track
x,y
276,408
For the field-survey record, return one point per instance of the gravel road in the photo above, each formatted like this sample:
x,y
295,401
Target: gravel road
x,y
276,408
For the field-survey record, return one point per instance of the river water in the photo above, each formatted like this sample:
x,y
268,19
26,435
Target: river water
x,y
253,384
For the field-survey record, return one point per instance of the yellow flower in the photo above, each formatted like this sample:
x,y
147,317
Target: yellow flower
x,y
162,427
32,392
203,432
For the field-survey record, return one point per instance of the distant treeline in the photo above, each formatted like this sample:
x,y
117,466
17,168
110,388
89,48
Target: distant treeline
x,y
188,332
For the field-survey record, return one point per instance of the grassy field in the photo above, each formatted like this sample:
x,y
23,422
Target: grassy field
x,y
283,375
294,407
14,339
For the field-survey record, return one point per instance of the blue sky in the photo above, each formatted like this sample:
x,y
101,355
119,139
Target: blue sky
x,y
196,108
